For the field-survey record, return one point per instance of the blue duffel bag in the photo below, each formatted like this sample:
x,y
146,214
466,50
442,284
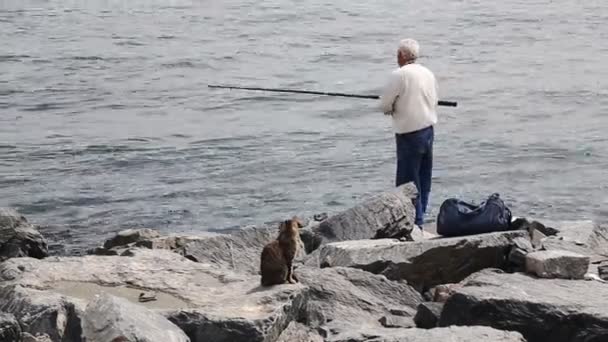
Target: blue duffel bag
x,y
458,218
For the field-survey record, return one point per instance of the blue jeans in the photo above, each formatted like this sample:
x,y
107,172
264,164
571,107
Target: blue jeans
x,y
415,164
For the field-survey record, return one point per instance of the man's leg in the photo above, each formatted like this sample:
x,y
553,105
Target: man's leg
x,y
426,171
409,158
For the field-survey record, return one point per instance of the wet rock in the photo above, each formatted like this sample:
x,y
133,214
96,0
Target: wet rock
x,y
10,331
297,332
554,310
428,315
557,264
206,302
392,209
452,334
320,217
346,302
41,312
128,236
239,251
104,251
426,263
108,318
18,238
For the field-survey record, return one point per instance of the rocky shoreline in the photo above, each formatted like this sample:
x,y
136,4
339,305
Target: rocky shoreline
x,y
365,274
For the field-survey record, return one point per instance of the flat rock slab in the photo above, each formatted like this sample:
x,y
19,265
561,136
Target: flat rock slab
x,y
219,305
451,334
554,310
426,263
557,264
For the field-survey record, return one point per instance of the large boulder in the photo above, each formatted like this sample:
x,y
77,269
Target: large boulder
x,y
207,302
344,301
451,334
18,238
10,331
426,263
41,312
109,318
239,251
380,216
554,310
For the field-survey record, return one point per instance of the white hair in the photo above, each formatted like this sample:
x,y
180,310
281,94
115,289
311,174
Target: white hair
x,y
409,48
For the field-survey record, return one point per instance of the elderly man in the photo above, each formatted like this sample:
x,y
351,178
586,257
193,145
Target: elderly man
x,y
410,97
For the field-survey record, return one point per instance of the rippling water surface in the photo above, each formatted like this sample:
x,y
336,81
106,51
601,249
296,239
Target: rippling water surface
x,y
106,120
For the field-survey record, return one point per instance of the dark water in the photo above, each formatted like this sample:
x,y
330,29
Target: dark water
x,y
106,120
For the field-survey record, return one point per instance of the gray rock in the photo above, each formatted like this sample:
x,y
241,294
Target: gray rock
x,y
126,241
129,236
554,310
239,251
557,264
428,315
297,332
18,238
397,322
207,302
10,331
40,312
426,263
451,334
396,230
108,318
346,302
393,209
103,251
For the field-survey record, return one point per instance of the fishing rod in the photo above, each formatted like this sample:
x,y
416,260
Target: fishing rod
x,y
440,103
